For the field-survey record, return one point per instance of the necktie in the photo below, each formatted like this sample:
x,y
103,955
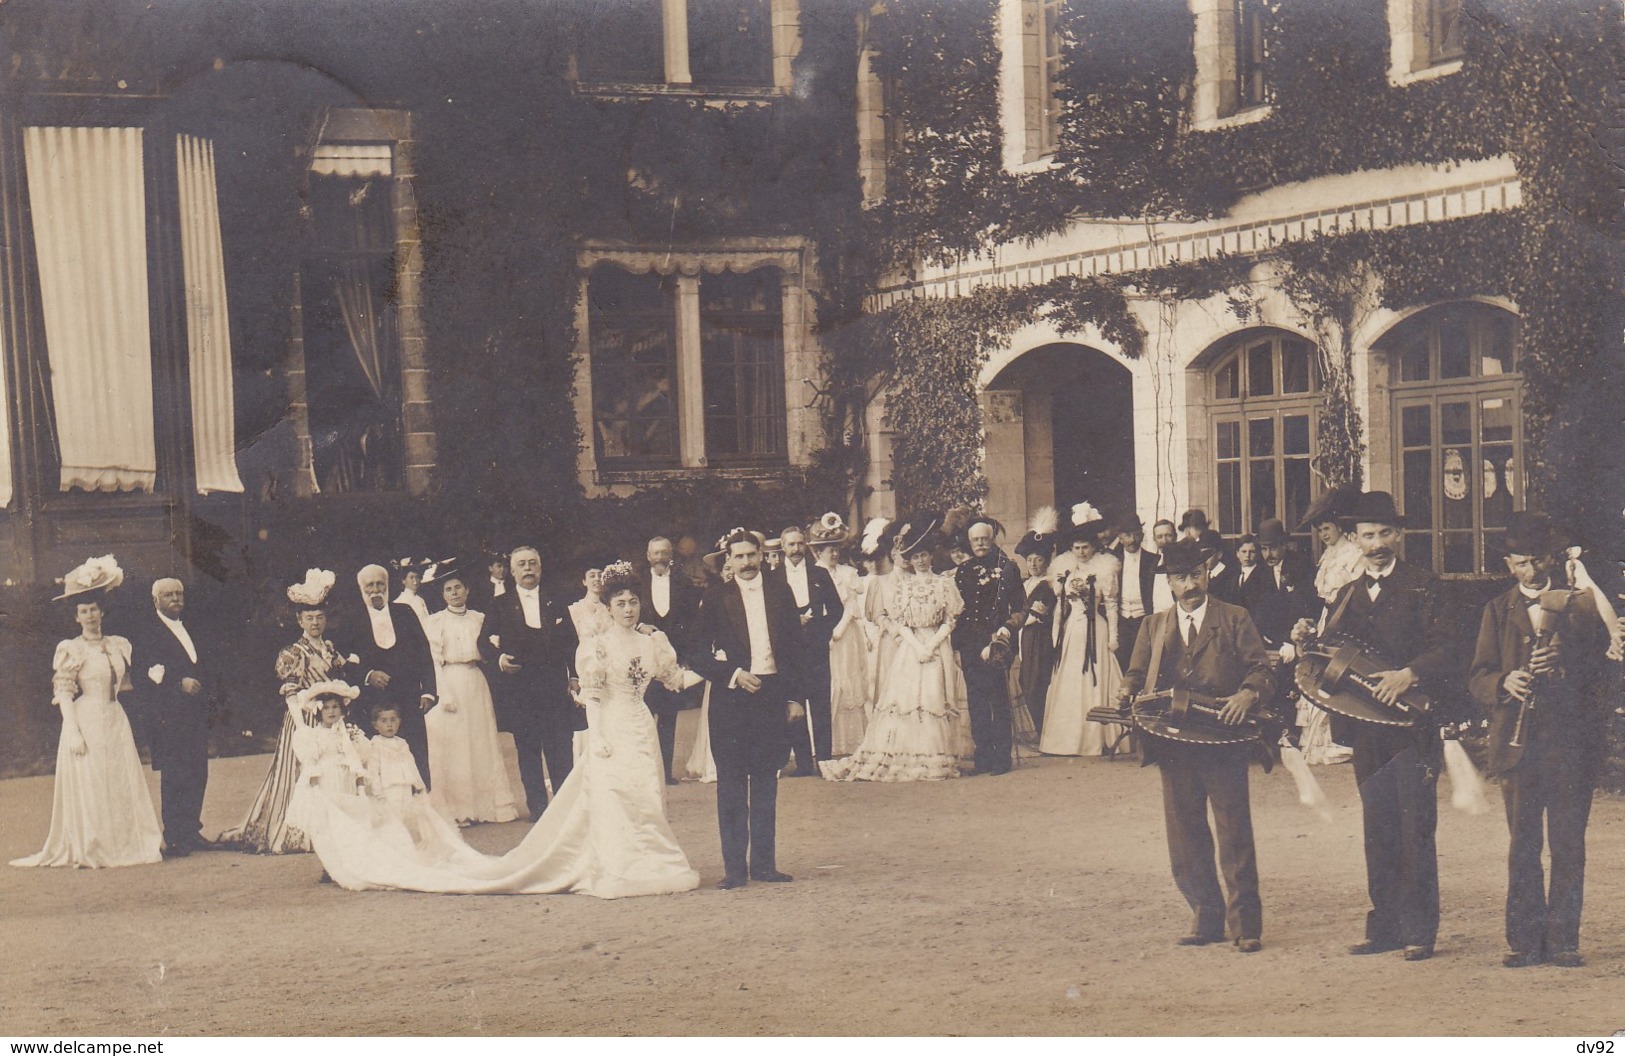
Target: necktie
x,y
1190,632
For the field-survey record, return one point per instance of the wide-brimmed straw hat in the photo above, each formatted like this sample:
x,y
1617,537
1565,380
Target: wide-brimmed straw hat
x,y
99,574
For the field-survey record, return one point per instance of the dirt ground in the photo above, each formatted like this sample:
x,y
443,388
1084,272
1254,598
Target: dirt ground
x,y
1035,903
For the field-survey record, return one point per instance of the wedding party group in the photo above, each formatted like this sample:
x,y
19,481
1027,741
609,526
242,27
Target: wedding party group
x,y
915,650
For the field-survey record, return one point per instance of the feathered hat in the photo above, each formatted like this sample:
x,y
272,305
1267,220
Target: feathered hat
x,y
875,536
1084,522
828,530
333,687
99,573
1041,534
918,532
312,592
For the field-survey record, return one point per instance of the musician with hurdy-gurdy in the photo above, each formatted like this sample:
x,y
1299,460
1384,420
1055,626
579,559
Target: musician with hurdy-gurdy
x,y
1206,664
1405,674
1539,671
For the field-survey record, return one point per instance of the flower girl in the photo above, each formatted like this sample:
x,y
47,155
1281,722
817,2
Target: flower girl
x,y
391,771
330,764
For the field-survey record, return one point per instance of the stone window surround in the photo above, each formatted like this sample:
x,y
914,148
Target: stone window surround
x,y
1408,45
793,258
1214,104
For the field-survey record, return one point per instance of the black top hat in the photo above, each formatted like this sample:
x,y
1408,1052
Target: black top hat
x,y
1182,557
1272,533
1130,522
1193,519
1329,507
1532,534
1373,507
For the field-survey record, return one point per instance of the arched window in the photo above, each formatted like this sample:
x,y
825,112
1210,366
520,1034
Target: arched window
x,y
1458,432
1264,400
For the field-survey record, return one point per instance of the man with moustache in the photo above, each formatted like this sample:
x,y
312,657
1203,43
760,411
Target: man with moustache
x,y
536,639
668,602
1210,647
995,606
745,644
387,638
819,608
1163,534
1539,672
1281,592
1394,608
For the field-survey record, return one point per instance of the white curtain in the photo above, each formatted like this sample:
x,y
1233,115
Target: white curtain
x,y
88,199
208,325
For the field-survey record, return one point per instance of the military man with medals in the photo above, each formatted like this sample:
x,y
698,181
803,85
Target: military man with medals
x,y
1208,660
1390,622
1539,672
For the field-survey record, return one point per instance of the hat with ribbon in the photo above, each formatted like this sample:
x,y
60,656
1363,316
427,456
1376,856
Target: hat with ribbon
x,y
97,574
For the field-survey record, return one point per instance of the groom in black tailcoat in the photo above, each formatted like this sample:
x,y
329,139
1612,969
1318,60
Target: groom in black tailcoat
x,y
745,643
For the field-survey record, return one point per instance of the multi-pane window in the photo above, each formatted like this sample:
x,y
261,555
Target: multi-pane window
x,y
1249,65
622,43
730,43
1041,46
1444,30
742,353
1265,395
1456,413
632,326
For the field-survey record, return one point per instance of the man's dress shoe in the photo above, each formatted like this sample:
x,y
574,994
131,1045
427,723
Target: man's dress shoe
x,y
1370,946
1198,940
1248,945
1418,953
1567,959
728,883
1522,959
774,877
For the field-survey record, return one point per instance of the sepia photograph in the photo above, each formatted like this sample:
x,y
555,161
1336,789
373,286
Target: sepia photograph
x,y
811,518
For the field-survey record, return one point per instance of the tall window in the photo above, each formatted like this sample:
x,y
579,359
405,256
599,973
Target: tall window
x,y
351,337
632,336
1250,91
1041,69
742,352
1265,395
1444,30
726,44
622,43
1453,374
730,43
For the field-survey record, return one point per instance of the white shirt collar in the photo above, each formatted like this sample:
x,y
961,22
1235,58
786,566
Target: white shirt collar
x,y
1533,595
1197,615
1385,573
752,584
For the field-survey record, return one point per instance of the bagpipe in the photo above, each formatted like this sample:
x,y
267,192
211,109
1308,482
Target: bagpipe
x,y
1193,718
1336,673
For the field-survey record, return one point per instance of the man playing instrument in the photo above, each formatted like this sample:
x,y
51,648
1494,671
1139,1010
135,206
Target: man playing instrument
x,y
1207,647
1393,608
1539,671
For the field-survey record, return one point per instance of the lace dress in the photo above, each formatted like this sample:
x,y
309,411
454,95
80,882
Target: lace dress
x,y
1341,563
266,829
914,733
605,833
101,809
1086,673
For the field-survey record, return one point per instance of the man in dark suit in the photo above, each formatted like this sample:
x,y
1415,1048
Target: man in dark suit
x,y
175,683
1210,647
1394,608
669,603
1282,589
1539,672
1223,577
484,590
1136,592
395,663
536,642
745,643
819,608
995,608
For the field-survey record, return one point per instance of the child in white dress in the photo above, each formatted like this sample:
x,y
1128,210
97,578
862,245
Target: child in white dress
x,y
331,767
391,771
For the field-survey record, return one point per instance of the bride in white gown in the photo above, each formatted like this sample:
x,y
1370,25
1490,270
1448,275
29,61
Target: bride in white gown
x,y
604,834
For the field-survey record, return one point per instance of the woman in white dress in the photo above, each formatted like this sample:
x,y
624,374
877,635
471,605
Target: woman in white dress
x,y
330,754
588,612
411,573
1086,673
913,735
101,810
468,776
1340,562
605,832
848,650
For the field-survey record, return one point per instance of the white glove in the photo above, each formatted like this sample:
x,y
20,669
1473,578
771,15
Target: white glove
x,y
156,674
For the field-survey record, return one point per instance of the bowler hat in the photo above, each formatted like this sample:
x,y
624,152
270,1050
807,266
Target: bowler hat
x,y
1373,507
1182,557
1193,519
1272,533
1531,534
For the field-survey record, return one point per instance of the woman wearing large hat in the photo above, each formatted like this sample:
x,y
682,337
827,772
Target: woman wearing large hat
x,y
101,811
1086,672
312,658
913,735
849,700
1035,655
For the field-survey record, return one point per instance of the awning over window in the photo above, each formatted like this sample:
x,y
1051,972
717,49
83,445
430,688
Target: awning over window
x,y
89,208
352,159
208,329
